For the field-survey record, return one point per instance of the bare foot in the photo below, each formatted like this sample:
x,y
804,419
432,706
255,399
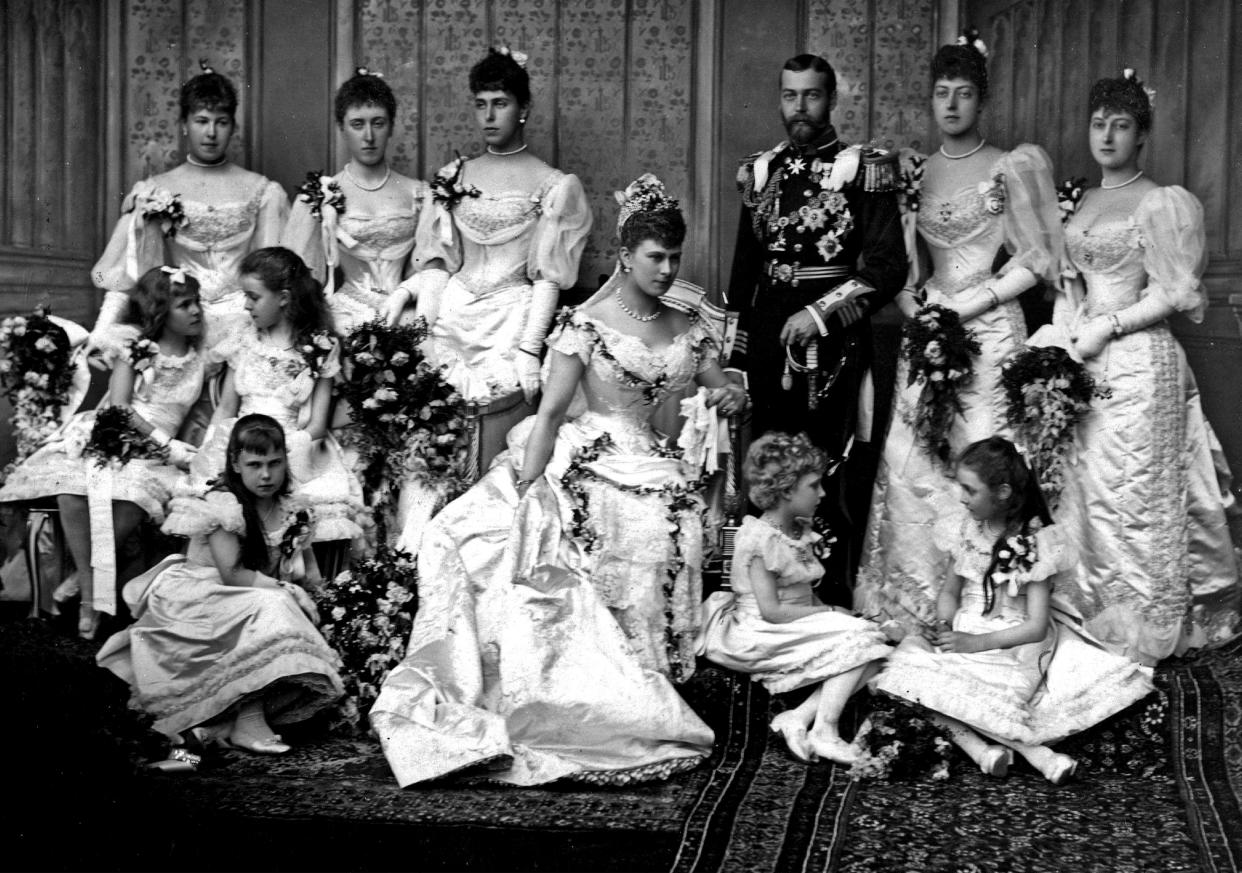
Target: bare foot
x,y
789,726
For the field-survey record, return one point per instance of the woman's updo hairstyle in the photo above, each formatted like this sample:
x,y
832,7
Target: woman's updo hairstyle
x,y
365,88
665,226
500,72
208,90
280,269
963,60
776,461
152,298
1123,94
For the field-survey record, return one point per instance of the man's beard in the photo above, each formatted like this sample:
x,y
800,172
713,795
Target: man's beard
x,y
803,131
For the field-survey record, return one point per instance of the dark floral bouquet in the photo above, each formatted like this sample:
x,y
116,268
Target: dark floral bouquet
x,y
164,208
408,421
994,196
35,376
1047,393
447,187
321,192
114,441
367,612
1069,195
940,352
315,350
899,742
298,528
140,353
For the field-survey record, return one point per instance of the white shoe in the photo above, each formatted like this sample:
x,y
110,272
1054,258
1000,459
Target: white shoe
x,y
995,761
1060,769
836,750
789,726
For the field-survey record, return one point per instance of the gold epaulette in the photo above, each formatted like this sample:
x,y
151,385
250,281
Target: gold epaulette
x,y
880,170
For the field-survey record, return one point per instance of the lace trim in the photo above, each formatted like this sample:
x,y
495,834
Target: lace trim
x,y
646,773
861,647
954,218
958,696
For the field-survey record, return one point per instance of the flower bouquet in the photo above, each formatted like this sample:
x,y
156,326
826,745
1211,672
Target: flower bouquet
x,y
940,352
899,742
321,192
298,528
367,613
1047,394
407,421
447,187
35,377
114,441
315,350
1069,195
164,208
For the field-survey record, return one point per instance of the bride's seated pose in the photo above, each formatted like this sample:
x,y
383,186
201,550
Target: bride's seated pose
x,y
561,593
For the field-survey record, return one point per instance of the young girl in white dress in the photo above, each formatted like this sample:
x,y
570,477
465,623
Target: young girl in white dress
x,y
282,364
1007,660
157,376
224,638
771,624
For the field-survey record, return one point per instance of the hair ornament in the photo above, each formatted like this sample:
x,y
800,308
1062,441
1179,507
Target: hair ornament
x,y
970,37
367,71
1130,75
644,194
205,67
519,58
176,275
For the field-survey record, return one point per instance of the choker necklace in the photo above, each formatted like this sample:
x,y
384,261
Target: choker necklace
x,y
521,148
357,184
634,315
1133,178
190,159
981,144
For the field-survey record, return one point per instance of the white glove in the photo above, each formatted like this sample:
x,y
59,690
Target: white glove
x,y
527,369
395,305
180,454
1091,338
1148,311
115,304
1013,283
428,291
543,299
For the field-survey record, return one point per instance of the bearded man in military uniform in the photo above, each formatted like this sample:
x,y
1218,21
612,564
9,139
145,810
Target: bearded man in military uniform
x,y
819,250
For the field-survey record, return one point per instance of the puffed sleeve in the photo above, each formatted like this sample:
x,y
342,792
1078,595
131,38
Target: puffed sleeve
x,y
273,213
1174,248
437,238
949,536
570,336
227,349
201,516
1032,217
423,206
134,248
561,234
303,235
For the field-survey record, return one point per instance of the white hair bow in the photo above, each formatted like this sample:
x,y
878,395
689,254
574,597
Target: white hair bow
x,y
176,275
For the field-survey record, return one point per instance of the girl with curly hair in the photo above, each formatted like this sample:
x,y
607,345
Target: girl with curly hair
x,y
771,625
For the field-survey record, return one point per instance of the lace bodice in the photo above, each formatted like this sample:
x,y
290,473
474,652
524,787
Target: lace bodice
x,y
380,231
273,381
165,391
1014,207
626,380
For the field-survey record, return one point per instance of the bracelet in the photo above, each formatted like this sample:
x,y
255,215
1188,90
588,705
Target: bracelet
x,y
1118,331
995,296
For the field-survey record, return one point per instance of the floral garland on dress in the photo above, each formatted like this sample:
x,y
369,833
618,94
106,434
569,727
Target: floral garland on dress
x,y
407,420
679,500
447,187
35,377
321,192
367,612
115,441
1047,393
941,354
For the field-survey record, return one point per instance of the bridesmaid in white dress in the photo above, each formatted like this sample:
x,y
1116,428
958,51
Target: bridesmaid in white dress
x,y
229,211
1143,505
373,241
975,199
562,591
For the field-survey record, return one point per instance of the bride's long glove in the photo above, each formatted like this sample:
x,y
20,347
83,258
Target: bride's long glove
x,y
425,288
1091,338
996,292
543,298
113,307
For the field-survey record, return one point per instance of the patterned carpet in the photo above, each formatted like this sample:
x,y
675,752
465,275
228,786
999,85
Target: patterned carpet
x,y
1150,795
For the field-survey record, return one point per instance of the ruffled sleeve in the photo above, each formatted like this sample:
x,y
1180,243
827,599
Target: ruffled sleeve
x,y
202,516
570,337
1032,217
561,234
436,237
1174,248
134,247
273,213
422,204
706,344
1052,556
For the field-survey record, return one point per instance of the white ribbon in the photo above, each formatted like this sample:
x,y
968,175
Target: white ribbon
x,y
103,540
176,275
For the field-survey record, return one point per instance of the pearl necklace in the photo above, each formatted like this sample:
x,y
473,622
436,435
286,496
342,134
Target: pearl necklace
x,y
357,184
190,159
521,148
1133,178
981,144
634,315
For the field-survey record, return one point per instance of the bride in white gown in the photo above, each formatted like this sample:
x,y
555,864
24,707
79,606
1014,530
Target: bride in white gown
x,y
562,591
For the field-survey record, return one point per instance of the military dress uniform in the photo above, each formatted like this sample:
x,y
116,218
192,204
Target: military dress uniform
x,y
818,226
